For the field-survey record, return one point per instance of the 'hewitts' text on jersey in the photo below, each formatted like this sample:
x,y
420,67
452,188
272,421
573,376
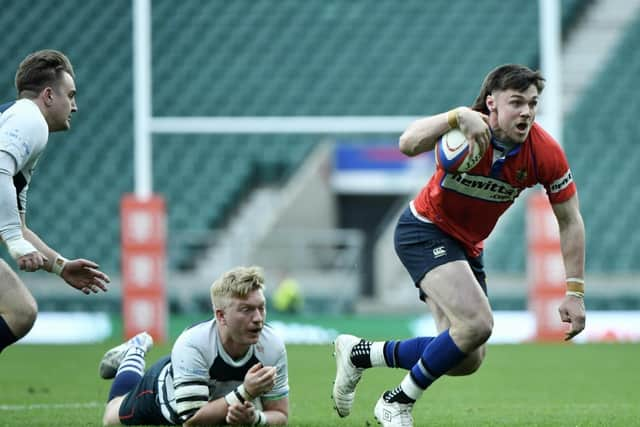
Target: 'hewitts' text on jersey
x,y
468,205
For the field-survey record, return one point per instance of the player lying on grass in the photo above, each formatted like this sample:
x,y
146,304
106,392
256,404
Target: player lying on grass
x,y
231,369
439,239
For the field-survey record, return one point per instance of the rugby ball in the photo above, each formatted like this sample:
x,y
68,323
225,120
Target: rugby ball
x,y
455,154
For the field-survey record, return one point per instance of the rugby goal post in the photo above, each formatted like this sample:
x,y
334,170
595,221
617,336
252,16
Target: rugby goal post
x,y
145,305
545,268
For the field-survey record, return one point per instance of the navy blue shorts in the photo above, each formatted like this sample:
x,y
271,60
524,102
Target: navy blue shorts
x,y
140,406
422,246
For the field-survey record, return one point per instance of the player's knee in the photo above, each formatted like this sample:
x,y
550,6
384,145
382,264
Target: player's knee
x,y
475,331
23,317
483,329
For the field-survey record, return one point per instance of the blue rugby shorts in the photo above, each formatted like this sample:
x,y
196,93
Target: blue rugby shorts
x,y
140,406
422,246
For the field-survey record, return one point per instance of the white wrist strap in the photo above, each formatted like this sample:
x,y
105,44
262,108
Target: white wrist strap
x,y
19,247
237,395
261,418
58,265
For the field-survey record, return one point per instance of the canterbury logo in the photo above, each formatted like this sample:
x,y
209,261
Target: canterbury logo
x,y
439,252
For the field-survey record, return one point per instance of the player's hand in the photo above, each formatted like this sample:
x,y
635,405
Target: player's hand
x,y
32,261
572,311
25,254
84,275
259,379
475,127
241,413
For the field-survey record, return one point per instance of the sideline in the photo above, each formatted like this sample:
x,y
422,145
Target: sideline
x,y
35,406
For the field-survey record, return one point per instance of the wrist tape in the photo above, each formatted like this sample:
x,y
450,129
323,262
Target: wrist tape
x,y
452,118
261,418
19,247
58,265
238,395
575,287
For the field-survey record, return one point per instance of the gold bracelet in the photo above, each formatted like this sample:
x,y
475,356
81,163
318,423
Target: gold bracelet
x,y
575,294
452,118
575,285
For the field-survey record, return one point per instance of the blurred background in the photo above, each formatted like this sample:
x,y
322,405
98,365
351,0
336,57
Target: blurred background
x,y
316,209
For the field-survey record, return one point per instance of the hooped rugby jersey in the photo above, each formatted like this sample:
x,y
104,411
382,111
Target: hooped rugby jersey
x,y
467,205
23,135
201,370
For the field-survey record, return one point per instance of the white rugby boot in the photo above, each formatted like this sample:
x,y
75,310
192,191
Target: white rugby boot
x,y
347,375
113,357
393,414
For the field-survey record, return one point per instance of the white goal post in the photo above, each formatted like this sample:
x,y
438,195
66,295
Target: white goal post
x,y
145,124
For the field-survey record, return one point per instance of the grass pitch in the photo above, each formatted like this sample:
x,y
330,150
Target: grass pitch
x,y
518,385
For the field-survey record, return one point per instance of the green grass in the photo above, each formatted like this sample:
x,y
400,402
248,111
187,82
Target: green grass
x,y
519,385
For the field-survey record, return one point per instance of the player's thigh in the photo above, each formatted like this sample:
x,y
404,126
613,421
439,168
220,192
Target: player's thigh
x,y
111,412
456,293
15,298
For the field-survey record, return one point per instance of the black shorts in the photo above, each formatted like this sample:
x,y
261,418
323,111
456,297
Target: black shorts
x,y
140,406
422,246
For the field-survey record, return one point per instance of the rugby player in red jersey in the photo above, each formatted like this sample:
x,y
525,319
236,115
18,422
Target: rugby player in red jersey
x,y
439,240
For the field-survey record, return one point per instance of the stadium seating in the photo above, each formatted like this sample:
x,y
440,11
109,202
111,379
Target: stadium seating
x,y
242,58
601,135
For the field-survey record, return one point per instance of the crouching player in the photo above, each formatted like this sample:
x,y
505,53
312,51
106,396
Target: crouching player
x,y
231,369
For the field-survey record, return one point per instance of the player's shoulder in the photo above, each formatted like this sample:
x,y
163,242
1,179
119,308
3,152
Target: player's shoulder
x,y
6,106
270,342
23,108
25,116
198,334
540,137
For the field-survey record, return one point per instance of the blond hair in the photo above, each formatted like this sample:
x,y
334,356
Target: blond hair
x,y
39,70
235,283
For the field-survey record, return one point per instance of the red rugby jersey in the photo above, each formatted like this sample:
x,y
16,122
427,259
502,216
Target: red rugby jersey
x,y
468,205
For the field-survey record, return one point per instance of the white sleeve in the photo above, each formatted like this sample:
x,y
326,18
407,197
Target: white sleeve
x,y
23,134
10,224
190,378
281,386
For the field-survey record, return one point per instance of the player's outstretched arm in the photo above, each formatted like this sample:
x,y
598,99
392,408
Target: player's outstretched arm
x,y
79,273
571,225
84,275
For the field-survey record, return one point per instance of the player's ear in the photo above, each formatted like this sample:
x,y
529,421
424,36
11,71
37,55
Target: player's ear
x,y
491,103
47,95
220,316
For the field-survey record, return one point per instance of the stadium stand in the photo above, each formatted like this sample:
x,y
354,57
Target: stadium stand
x,y
600,139
246,58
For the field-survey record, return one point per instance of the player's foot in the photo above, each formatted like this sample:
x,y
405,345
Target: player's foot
x,y
347,375
112,358
393,414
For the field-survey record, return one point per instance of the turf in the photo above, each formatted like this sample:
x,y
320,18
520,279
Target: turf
x,y
518,385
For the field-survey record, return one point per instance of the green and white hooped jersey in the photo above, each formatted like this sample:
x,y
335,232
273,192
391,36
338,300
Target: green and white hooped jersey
x,y
201,371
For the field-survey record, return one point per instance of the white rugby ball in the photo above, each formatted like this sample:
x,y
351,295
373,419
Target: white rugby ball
x,y
453,153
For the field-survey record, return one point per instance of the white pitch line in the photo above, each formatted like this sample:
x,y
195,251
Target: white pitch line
x,y
34,406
